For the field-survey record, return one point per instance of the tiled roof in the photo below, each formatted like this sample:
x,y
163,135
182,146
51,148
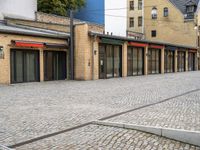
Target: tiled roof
x,y
181,4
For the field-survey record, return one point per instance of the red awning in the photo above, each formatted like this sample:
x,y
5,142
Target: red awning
x,y
136,44
30,44
156,46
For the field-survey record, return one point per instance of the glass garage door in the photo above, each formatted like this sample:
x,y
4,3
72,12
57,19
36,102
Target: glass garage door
x,y
153,61
169,61
24,66
54,65
181,61
191,61
135,61
110,61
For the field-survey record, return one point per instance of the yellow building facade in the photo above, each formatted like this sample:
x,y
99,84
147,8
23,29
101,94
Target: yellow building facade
x,y
135,18
171,23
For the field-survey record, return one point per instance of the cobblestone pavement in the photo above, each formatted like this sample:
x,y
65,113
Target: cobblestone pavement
x,y
94,137
31,110
179,113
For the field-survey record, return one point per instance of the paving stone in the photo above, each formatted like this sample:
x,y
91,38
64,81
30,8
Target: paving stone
x,y
36,109
179,113
97,140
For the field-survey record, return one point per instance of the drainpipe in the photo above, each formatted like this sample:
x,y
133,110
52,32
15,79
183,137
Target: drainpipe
x,y
93,55
72,44
143,19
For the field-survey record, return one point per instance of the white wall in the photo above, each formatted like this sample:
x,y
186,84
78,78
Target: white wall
x,y
18,8
117,25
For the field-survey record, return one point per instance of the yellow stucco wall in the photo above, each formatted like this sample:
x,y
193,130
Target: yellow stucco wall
x,y
172,29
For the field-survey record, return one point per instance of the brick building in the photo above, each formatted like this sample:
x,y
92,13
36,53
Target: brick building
x,y
33,51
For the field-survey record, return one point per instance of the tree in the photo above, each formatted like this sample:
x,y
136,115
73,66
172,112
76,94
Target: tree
x,y
59,7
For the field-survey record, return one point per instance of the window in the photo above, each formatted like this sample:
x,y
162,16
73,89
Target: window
x,y
154,13
131,22
131,5
153,33
139,21
166,12
1,52
139,4
190,9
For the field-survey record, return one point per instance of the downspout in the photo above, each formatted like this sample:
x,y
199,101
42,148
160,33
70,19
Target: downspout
x,y
143,19
93,55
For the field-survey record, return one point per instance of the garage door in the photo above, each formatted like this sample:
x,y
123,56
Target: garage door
x,y
24,66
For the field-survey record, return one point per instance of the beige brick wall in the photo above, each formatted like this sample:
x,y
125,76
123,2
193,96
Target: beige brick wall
x,y
162,61
172,29
96,59
6,43
83,53
124,60
49,18
186,61
52,22
146,60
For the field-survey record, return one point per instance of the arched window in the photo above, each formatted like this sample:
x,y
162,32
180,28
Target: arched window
x,y
166,12
154,13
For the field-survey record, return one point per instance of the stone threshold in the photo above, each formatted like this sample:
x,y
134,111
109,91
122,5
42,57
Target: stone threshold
x,y
186,136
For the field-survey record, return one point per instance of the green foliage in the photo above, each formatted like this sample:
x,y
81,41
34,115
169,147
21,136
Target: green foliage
x,y
59,7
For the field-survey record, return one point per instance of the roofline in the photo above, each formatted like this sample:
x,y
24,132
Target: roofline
x,y
34,21
176,8
75,19
34,34
140,41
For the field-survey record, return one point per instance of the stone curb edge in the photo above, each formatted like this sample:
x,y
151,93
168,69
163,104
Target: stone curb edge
x,y
190,137
5,147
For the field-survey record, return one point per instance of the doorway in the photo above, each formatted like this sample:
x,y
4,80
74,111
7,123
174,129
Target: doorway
x,y
54,65
24,66
110,61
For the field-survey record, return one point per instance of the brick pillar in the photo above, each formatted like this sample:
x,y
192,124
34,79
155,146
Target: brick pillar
x,y
41,65
162,60
175,60
124,59
146,60
96,59
186,60
82,53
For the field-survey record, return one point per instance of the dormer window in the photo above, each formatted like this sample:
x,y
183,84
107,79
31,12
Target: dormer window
x,y
190,9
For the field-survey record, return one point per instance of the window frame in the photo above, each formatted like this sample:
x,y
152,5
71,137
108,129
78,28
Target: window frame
x,y
153,33
166,12
140,4
131,22
154,16
140,22
131,5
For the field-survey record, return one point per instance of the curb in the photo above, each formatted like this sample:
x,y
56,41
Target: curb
x,y
2,147
190,137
